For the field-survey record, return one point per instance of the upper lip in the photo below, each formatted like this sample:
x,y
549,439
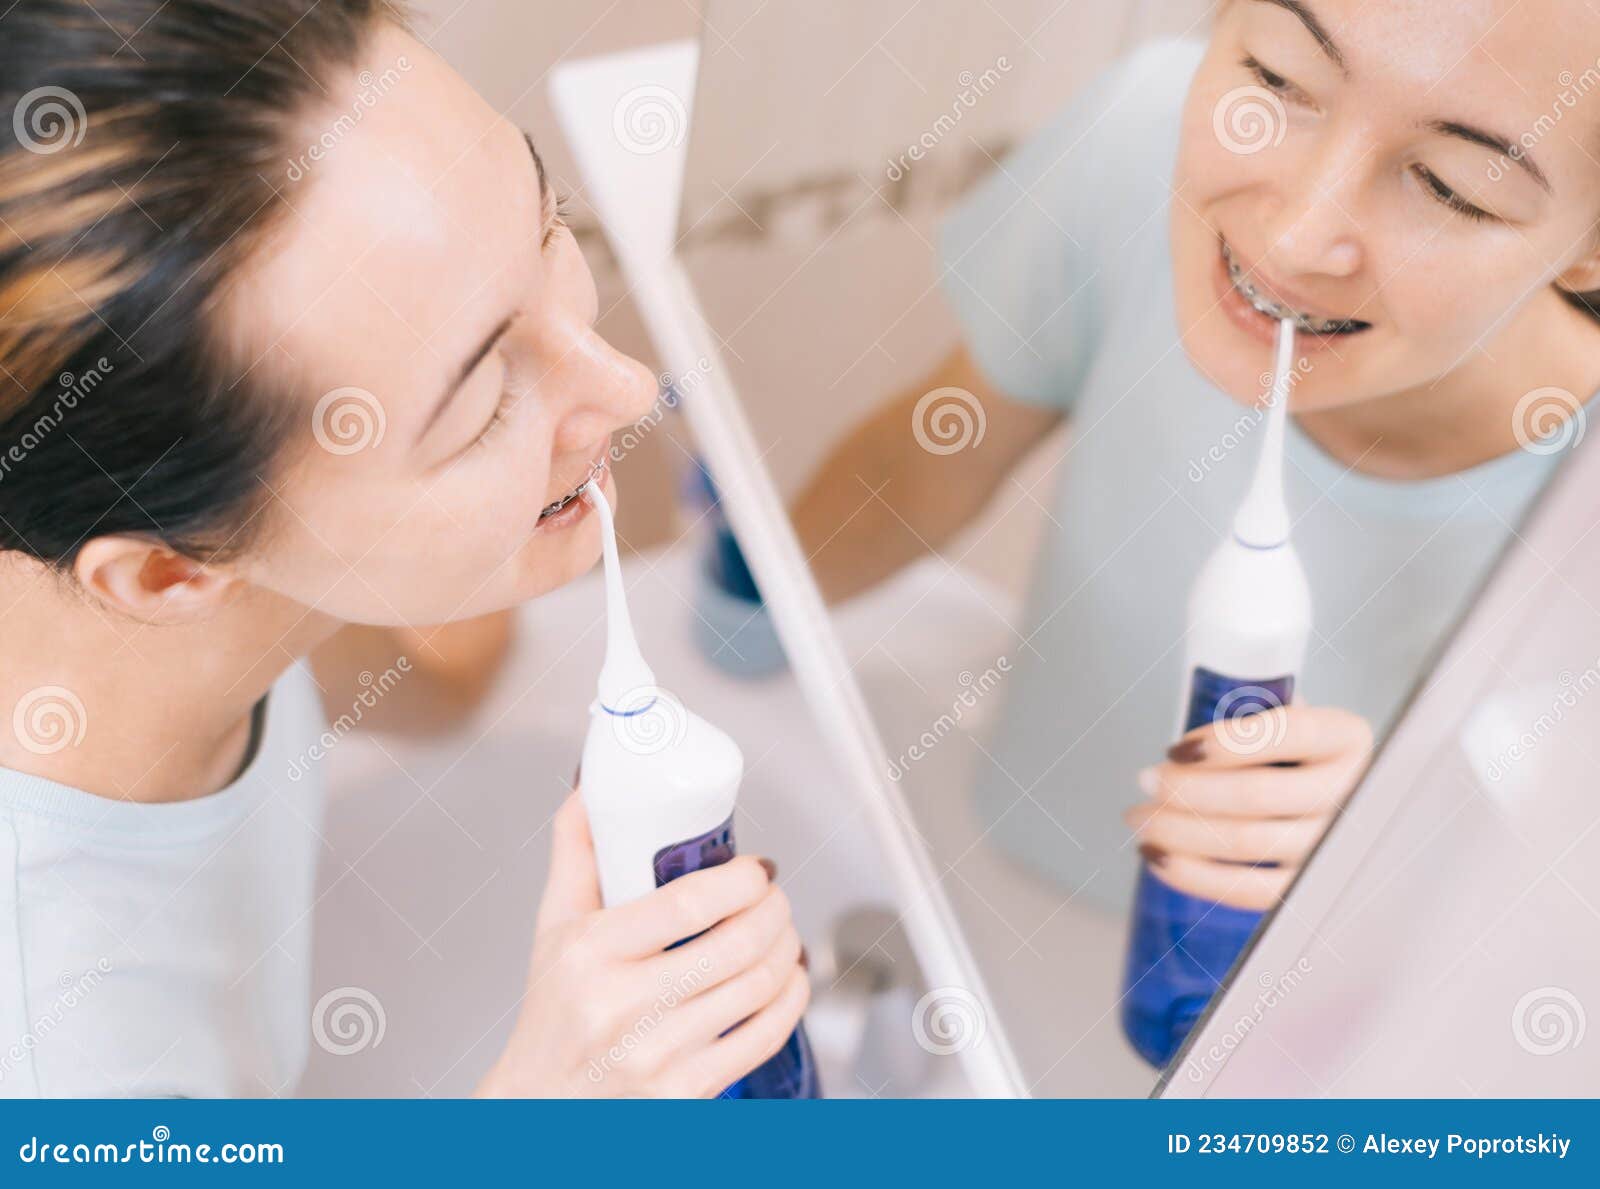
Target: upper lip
x,y
591,469
1279,293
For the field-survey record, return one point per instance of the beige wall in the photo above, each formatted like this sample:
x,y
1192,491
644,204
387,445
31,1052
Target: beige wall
x,y
813,262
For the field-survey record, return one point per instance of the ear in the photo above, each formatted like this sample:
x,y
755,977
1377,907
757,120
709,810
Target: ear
x,y
1584,276
149,582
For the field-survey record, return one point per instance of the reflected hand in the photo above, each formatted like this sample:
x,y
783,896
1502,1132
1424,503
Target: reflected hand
x,y
1219,804
610,1012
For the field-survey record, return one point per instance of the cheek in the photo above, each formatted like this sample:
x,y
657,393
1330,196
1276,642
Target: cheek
x,y
1448,287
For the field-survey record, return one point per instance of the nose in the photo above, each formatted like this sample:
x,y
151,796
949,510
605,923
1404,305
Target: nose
x,y
594,389
1310,224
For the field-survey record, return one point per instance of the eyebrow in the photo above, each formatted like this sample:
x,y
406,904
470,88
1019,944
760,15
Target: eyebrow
x,y
1314,26
1499,144
1455,128
492,339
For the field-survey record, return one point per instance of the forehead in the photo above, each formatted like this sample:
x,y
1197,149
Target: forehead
x,y
410,222
1495,45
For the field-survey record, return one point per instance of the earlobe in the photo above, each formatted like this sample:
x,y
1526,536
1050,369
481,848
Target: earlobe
x,y
1582,277
147,581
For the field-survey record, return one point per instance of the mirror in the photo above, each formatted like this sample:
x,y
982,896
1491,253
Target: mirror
x,y
1005,370
1477,815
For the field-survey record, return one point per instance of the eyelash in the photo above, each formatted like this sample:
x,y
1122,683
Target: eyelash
x,y
1431,181
494,422
558,221
1269,79
1444,194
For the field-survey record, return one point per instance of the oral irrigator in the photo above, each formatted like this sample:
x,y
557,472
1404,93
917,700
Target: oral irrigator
x,y
659,785
1249,618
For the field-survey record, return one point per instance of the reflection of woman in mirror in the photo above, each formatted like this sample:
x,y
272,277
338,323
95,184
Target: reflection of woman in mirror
x,y
1419,183
335,393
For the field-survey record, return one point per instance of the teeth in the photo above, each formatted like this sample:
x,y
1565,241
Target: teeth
x,y
551,509
1274,309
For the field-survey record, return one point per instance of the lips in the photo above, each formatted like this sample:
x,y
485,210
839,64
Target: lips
x,y
1307,321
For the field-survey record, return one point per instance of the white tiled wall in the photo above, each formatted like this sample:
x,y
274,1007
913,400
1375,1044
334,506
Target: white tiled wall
x,y
813,262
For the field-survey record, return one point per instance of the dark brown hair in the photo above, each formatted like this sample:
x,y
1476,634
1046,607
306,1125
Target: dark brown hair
x,y
140,165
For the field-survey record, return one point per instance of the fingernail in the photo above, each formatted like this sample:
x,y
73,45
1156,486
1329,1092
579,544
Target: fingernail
x,y
1149,782
805,959
1187,751
770,868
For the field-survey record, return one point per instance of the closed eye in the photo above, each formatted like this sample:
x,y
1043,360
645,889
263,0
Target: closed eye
x,y
1275,82
494,422
1441,192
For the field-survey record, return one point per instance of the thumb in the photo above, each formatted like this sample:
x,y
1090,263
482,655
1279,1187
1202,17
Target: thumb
x,y
572,889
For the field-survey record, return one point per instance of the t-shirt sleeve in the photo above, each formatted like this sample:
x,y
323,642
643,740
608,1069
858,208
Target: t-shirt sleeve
x,y
1026,256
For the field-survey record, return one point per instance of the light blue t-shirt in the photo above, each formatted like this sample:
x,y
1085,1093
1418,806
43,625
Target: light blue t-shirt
x,y
163,949
1059,268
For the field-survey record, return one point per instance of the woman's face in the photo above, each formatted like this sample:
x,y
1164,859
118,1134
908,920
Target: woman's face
x,y
426,307
1415,174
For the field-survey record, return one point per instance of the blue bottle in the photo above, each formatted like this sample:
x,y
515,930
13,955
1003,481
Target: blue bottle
x,y
732,624
792,1071
1248,622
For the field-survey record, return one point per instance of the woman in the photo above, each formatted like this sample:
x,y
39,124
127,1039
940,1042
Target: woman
x,y
1418,185
297,352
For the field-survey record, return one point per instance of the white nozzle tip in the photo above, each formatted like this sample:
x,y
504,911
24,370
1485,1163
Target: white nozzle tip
x,y
1262,521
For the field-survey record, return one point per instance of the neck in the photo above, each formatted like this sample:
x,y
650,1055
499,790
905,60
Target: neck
x,y
1466,417
165,708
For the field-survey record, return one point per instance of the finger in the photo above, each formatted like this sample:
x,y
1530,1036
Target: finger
x,y
572,888
707,1016
1243,840
1254,888
686,906
727,949
749,1045
1307,791
1285,734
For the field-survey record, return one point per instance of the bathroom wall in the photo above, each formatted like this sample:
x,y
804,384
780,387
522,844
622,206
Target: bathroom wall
x,y
812,259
